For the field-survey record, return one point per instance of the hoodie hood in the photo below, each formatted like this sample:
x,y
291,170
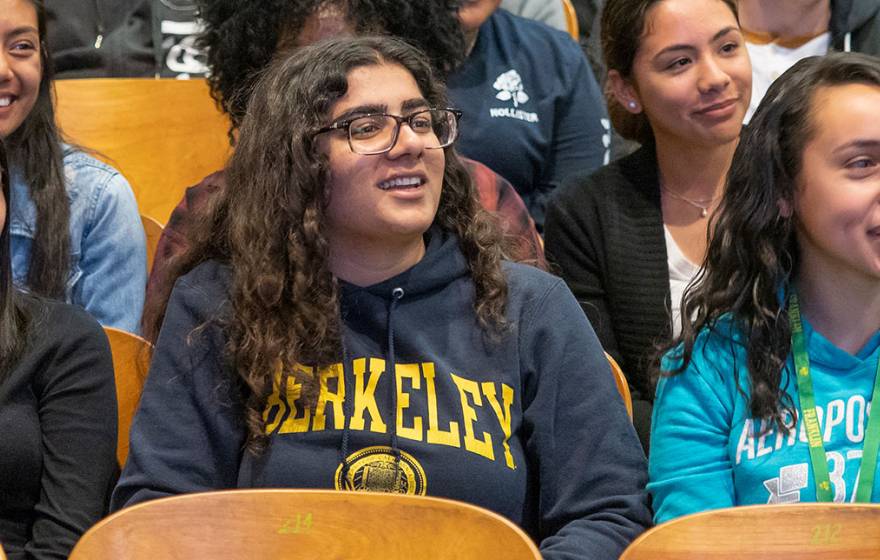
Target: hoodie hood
x,y
855,26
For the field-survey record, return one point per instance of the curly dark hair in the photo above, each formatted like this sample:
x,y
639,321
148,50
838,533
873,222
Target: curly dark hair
x,y
285,300
242,38
753,252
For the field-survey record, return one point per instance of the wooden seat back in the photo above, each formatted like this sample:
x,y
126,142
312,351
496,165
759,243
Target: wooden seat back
x,y
772,532
131,361
571,20
304,524
153,232
163,135
622,384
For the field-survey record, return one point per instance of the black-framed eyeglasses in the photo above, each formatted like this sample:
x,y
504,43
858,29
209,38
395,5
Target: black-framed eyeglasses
x,y
377,133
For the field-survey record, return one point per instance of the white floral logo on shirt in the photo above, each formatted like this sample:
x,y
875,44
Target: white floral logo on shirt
x,y
510,87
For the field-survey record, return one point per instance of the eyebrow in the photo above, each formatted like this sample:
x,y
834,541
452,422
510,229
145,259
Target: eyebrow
x,y
859,143
406,106
685,47
23,30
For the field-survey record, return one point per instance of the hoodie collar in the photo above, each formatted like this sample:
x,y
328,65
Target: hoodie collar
x,y
442,263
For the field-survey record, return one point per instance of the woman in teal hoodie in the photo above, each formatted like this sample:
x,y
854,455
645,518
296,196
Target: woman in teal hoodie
x,y
766,394
346,321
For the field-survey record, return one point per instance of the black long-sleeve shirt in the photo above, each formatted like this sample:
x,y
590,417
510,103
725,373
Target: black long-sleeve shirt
x,y
58,426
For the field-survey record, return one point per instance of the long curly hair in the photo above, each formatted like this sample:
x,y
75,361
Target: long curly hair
x,y
35,151
753,252
285,300
241,38
622,29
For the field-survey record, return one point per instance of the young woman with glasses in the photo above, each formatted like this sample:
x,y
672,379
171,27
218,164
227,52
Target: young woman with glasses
x,y
285,26
57,415
345,321
770,394
630,237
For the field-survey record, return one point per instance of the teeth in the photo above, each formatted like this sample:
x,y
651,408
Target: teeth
x,y
400,182
5,101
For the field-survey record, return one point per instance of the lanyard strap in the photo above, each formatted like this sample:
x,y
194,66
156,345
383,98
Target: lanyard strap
x,y
811,421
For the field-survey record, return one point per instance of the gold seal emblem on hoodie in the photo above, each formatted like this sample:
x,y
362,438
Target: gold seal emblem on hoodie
x,y
373,469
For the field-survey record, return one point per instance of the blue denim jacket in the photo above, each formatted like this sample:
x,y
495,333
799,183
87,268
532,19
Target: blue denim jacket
x,y
108,257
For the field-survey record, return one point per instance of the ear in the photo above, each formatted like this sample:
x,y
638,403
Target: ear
x,y
624,92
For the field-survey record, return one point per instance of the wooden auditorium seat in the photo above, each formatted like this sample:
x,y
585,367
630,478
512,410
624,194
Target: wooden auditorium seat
x,y
771,532
621,383
163,135
131,361
153,232
304,524
571,20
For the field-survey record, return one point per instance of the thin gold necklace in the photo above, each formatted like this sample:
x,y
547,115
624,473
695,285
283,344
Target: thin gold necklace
x,y
701,204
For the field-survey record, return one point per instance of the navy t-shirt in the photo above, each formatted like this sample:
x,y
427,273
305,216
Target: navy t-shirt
x,y
533,111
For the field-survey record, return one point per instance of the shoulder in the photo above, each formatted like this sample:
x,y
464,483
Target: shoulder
x,y
91,178
609,185
195,203
634,172
531,289
718,356
211,278
202,291
55,320
77,160
479,172
206,189
56,329
526,277
531,33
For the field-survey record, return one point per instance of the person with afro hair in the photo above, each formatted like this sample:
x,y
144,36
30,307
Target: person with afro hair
x,y
242,38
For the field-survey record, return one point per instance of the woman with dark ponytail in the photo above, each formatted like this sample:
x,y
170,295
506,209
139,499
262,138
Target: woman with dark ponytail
x,y
57,416
628,238
766,393
76,233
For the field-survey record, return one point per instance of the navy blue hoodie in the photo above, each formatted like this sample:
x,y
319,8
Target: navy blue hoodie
x,y
530,426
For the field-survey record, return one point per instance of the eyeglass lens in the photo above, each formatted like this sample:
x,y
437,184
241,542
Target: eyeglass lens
x,y
373,134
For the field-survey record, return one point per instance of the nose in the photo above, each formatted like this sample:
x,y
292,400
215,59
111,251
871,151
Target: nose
x,y
408,143
712,76
5,67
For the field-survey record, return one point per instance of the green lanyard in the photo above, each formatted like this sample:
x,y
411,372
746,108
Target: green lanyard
x,y
811,422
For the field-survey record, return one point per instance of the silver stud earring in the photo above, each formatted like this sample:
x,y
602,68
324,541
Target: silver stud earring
x,y
632,105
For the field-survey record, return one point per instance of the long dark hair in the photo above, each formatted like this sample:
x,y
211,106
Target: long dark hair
x,y
623,27
35,151
285,300
753,252
13,320
242,38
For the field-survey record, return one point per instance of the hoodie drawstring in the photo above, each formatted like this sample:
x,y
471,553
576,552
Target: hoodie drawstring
x,y
347,413
348,402
396,296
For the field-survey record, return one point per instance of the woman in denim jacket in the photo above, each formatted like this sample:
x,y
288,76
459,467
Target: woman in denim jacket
x,y
75,231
